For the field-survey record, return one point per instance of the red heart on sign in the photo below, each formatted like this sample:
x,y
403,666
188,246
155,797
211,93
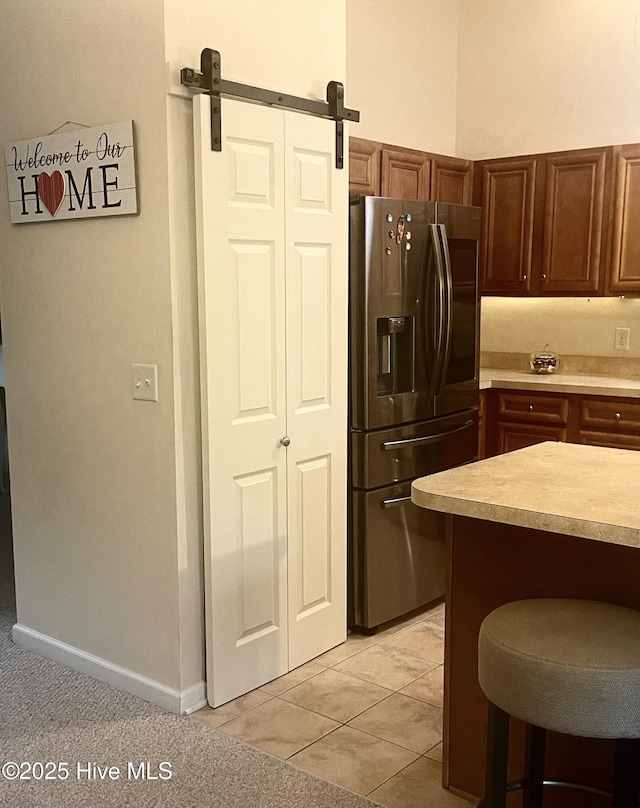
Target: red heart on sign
x,y
51,190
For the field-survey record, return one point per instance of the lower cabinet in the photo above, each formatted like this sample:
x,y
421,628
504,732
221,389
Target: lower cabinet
x,y
610,422
515,419
524,419
482,424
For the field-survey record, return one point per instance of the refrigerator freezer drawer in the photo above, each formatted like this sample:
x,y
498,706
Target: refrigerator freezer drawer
x,y
397,553
404,453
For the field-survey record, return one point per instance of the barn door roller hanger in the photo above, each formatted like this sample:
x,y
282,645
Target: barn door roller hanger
x,y
210,81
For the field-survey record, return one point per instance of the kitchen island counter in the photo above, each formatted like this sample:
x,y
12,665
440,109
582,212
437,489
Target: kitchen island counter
x,y
586,491
550,520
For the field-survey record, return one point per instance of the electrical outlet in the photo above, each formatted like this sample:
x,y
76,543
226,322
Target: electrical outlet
x,y
621,342
145,382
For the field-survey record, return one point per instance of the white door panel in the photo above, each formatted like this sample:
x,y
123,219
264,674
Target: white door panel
x,y
242,323
272,284
316,201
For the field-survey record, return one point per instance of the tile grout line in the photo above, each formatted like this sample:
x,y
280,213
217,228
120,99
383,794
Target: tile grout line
x,y
386,740
391,777
307,745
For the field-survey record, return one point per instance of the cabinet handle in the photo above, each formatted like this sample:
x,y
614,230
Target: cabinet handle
x,y
544,276
618,416
523,278
530,407
285,441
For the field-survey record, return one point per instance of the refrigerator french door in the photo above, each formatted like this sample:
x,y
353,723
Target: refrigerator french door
x,y
413,392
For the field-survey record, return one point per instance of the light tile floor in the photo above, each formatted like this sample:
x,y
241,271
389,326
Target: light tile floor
x,y
366,715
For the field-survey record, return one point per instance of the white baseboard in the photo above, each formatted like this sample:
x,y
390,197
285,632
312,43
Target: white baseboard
x,y
193,698
170,699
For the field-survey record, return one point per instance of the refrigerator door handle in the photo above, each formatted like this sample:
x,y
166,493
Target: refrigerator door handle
x,y
438,309
446,280
394,502
388,445
443,301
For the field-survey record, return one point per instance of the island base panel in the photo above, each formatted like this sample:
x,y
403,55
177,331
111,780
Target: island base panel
x,y
491,563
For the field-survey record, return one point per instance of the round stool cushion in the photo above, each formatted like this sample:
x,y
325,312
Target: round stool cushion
x,y
572,666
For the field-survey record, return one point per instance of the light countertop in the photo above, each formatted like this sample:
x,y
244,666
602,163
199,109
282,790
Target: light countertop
x,y
559,383
587,491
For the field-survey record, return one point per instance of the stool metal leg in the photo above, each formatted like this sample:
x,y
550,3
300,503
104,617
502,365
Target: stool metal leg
x,y
495,787
534,767
626,782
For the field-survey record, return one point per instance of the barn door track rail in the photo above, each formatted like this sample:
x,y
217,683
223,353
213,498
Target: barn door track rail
x,y
209,80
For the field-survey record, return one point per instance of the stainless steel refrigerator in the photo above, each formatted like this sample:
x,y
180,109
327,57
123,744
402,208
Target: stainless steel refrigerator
x,y
413,354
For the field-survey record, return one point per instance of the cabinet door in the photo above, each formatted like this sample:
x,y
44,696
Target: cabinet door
x,y
574,237
451,180
364,167
482,425
241,297
316,324
512,436
624,271
406,174
508,193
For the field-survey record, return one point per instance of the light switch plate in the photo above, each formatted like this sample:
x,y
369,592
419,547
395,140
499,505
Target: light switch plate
x,y
145,382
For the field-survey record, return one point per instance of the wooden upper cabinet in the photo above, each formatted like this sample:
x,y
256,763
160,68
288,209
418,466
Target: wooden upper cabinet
x,y
507,198
364,167
378,169
624,268
553,224
406,174
546,222
573,226
451,180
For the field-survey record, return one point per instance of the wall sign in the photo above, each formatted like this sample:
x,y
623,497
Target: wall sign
x,y
73,175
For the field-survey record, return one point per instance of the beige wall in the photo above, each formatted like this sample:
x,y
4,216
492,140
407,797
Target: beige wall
x,y
402,71
296,47
487,78
545,76
92,471
571,326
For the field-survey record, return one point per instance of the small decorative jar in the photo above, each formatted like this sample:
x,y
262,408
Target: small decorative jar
x,y
543,361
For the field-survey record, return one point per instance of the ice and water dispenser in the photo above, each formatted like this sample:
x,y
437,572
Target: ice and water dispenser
x,y
395,355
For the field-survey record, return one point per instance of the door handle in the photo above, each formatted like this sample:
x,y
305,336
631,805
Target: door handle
x,y
440,307
443,265
388,445
444,306
394,502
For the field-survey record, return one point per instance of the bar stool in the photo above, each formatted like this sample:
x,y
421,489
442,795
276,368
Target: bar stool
x,y
571,666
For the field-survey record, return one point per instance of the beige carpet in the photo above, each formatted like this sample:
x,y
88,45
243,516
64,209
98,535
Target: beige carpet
x,y
51,714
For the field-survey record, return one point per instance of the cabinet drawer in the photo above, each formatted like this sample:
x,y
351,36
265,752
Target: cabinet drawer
x,y
616,440
516,436
534,408
602,413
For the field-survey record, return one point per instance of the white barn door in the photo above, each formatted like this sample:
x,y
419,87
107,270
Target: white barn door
x,y
316,202
273,366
